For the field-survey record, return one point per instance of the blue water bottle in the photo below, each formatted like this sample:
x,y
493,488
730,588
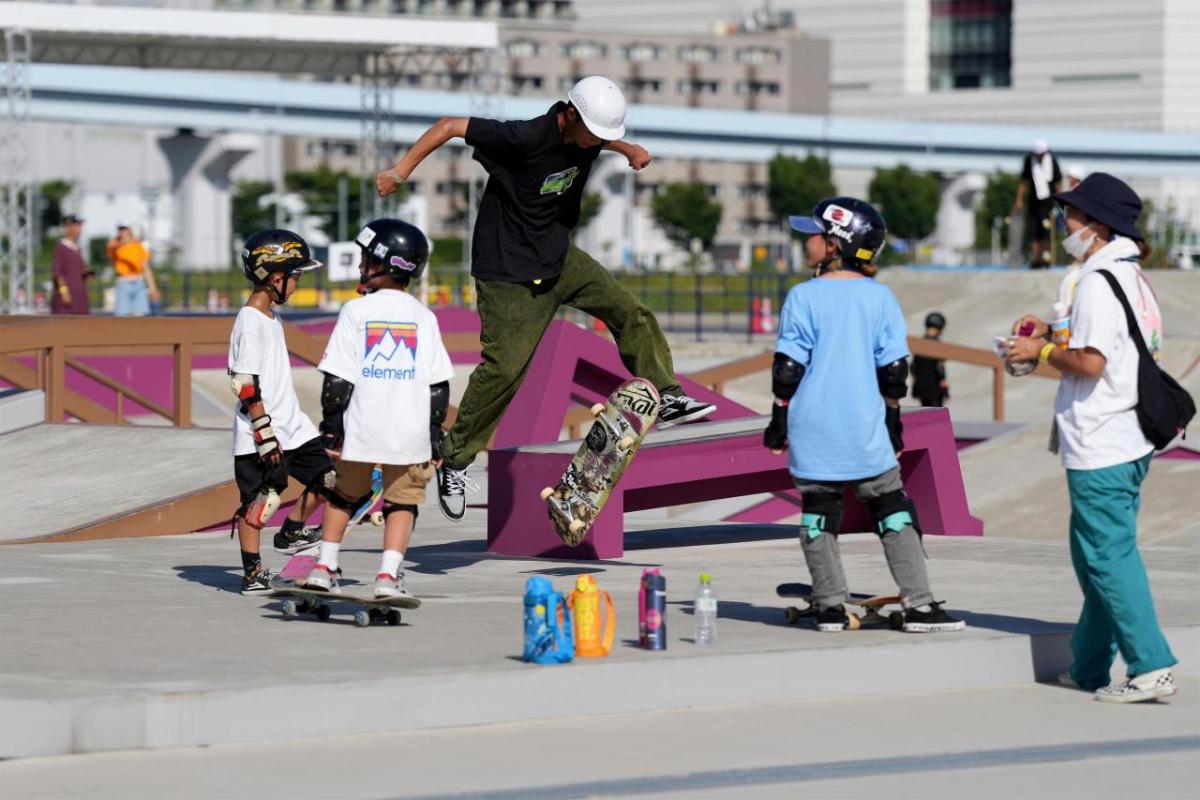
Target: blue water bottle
x,y
548,637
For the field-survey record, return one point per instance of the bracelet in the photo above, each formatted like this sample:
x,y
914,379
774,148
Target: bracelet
x,y
1047,349
395,176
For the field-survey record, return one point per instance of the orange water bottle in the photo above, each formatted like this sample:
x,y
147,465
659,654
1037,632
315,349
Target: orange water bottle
x,y
593,635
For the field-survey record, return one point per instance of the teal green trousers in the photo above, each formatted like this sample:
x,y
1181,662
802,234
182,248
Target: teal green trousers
x,y
513,317
1118,611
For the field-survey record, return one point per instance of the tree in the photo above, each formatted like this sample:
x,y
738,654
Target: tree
x,y
794,186
249,212
52,194
589,209
908,201
996,203
318,188
685,212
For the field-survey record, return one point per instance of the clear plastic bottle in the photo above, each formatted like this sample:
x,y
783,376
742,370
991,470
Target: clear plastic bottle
x,y
705,611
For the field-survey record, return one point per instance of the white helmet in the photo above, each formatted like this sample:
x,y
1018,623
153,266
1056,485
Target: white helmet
x,y
601,106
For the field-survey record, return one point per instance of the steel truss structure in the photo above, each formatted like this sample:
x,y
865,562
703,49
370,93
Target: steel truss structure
x,y
16,184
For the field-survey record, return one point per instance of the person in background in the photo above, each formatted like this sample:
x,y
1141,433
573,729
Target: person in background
x,y
1040,179
69,271
136,287
929,374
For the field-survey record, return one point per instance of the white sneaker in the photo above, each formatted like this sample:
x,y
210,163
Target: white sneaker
x,y
321,579
1140,688
388,586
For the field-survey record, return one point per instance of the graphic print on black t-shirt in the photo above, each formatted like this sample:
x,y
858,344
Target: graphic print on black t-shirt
x,y
531,202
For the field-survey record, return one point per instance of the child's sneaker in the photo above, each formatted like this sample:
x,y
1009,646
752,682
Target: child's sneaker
x,y
257,582
832,619
306,538
1140,688
388,586
321,579
932,621
677,409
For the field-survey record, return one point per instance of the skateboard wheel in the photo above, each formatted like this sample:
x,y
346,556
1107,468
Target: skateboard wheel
x,y
323,612
393,617
853,623
376,518
896,620
791,614
547,492
625,443
362,619
576,526
289,609
597,409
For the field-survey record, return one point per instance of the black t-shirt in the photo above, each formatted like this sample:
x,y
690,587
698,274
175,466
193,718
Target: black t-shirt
x,y
531,202
1027,176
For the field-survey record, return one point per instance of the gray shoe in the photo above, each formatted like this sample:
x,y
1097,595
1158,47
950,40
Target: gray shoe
x,y
453,485
387,586
321,579
679,408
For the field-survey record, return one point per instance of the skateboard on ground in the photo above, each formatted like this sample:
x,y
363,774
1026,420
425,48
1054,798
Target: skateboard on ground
x,y
368,607
299,565
872,608
620,425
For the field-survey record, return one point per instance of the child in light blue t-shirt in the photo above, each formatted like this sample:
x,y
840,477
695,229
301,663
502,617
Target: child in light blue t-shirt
x,y
840,369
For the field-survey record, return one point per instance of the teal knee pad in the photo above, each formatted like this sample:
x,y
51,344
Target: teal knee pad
x,y
813,523
895,522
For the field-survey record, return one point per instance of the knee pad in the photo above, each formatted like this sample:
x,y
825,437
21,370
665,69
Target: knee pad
x,y
893,512
390,508
347,504
822,513
260,510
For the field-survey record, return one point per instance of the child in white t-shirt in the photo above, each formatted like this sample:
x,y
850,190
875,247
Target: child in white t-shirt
x,y
272,438
385,395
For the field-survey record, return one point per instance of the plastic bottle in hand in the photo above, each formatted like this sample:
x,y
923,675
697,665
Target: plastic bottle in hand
x,y
1021,368
705,610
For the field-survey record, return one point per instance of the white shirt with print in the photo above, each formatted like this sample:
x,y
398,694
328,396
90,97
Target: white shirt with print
x,y
1097,423
258,347
390,347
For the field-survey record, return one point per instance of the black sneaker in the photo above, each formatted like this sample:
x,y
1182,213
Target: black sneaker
x,y
832,619
257,582
453,485
679,408
932,621
306,538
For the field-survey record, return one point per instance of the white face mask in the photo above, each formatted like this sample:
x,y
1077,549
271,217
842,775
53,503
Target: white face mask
x,y
1079,242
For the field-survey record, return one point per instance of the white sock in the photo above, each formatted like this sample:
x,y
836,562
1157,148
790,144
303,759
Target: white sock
x,y
391,562
329,555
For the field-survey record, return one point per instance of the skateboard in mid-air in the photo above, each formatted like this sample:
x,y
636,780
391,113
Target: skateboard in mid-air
x,y
367,607
299,565
620,425
872,609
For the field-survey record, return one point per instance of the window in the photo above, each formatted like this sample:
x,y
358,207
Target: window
x,y
523,48
641,51
644,85
698,86
522,83
698,53
413,79
752,190
770,88
970,44
584,49
450,187
758,54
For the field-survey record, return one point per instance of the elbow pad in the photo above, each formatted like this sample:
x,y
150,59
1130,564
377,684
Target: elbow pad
x,y
245,389
785,376
335,395
893,379
439,403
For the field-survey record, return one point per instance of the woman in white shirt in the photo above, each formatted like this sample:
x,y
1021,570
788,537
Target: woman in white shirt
x,y
1103,449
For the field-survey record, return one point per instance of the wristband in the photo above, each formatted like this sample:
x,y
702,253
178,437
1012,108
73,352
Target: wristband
x,y
395,176
1047,349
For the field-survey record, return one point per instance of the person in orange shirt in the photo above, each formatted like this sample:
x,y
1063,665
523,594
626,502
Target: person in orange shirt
x,y
135,280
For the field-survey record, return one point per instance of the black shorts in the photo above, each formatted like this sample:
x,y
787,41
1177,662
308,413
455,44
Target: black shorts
x,y
1041,217
308,463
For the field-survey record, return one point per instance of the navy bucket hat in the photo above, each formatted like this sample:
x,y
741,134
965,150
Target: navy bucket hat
x,y
1107,200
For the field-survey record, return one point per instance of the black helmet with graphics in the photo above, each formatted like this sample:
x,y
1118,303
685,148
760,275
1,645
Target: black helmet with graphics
x,y
398,246
276,250
857,229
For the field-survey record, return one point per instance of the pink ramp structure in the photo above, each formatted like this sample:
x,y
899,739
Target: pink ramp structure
x,y
707,461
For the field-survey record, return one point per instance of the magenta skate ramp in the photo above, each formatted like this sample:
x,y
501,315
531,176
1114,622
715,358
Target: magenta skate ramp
x,y
708,461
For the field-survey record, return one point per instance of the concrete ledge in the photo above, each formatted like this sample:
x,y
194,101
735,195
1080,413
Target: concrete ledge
x,y
183,719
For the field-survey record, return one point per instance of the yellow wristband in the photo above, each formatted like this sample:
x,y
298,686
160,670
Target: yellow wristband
x,y
1047,349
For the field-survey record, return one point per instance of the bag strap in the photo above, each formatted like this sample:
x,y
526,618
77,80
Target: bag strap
x,y
1135,331
610,627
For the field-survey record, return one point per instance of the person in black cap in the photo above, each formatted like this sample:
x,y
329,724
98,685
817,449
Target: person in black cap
x,y
69,271
1102,445
929,374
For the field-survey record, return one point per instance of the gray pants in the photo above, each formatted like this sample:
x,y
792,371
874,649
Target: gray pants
x,y
902,549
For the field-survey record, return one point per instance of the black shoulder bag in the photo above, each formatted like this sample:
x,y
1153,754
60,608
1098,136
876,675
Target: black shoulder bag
x,y
1164,408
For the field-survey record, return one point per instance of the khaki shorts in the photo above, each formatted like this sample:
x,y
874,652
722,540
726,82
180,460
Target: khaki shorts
x,y
403,484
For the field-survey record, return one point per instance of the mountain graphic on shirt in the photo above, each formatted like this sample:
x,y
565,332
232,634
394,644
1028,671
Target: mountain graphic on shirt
x,y
384,339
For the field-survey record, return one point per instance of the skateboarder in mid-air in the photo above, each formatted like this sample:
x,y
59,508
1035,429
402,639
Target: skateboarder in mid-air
x,y
272,437
839,371
385,395
525,266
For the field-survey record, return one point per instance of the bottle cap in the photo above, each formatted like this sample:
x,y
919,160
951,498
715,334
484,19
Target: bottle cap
x,y
705,577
